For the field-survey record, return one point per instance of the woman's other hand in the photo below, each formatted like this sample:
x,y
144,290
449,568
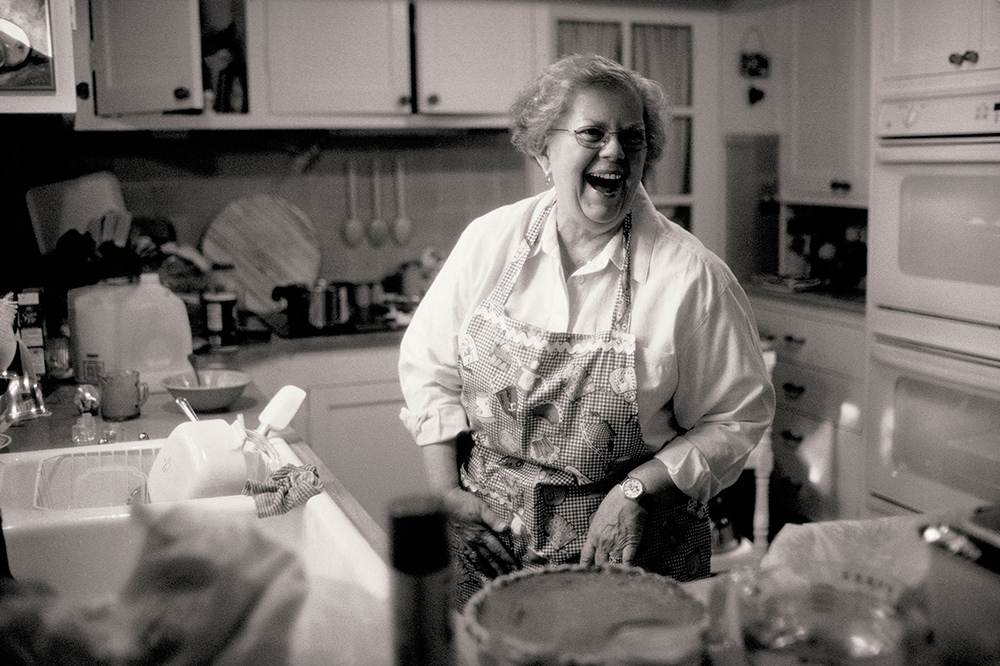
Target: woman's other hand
x,y
478,527
615,531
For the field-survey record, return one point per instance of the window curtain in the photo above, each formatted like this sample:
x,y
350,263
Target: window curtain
x,y
590,37
663,53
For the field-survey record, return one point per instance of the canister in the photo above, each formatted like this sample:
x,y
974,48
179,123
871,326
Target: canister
x,y
220,318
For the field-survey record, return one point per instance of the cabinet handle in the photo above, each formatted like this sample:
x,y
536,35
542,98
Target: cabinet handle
x,y
793,391
181,93
959,58
83,90
404,100
791,340
840,186
433,99
791,437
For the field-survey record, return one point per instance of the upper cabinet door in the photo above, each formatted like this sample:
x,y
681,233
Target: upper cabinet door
x,y
930,38
348,57
473,57
825,148
146,56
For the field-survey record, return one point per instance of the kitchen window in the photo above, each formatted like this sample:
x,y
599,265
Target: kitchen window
x,y
670,48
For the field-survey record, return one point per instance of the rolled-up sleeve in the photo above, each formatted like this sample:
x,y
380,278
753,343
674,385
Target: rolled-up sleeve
x,y
724,400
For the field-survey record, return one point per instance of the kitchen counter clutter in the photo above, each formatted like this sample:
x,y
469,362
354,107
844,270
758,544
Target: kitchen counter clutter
x,y
346,602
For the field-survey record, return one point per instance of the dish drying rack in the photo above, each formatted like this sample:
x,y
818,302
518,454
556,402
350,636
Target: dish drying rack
x,y
92,479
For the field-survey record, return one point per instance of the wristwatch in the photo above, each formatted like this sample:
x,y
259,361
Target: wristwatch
x,y
633,489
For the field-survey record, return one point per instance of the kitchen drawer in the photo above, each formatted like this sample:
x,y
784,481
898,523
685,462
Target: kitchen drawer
x,y
804,464
812,336
824,395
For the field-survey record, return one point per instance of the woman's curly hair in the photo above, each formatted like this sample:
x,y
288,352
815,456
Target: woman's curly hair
x,y
539,105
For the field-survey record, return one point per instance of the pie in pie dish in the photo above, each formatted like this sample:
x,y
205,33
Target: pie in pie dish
x,y
571,615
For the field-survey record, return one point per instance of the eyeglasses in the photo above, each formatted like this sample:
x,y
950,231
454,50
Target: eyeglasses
x,y
631,139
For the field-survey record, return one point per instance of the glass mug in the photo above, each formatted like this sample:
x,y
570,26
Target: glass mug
x,y
122,395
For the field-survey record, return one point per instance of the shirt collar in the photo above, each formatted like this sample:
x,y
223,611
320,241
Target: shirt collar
x,y
645,229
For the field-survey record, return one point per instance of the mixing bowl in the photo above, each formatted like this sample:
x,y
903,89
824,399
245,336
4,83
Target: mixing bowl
x,y
217,391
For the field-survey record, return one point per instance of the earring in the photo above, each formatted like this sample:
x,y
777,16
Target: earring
x,y
548,177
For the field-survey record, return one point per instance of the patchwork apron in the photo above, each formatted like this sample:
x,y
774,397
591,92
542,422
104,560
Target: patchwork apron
x,y
554,426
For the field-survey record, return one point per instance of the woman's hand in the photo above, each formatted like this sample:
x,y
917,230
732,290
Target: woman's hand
x,y
477,526
615,530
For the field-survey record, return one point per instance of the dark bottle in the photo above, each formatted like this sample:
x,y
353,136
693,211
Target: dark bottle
x,y
421,582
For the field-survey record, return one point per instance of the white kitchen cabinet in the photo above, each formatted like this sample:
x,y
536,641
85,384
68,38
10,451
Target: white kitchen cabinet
x,y
136,70
825,139
819,383
342,64
473,57
58,48
344,57
355,430
943,42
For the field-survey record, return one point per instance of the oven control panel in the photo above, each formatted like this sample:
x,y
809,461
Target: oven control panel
x,y
954,115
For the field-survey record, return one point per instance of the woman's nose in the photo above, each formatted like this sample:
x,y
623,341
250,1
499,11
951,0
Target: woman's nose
x,y
612,146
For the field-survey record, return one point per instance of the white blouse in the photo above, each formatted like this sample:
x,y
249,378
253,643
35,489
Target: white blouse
x,y
704,395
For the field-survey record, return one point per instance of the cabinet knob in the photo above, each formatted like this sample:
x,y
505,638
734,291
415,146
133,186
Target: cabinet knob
x,y
793,391
181,93
793,341
791,437
404,100
433,99
959,58
83,90
840,186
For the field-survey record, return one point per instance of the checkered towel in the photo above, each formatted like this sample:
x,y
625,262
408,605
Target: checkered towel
x,y
290,486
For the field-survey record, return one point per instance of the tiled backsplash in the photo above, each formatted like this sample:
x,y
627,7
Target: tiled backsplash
x,y
450,180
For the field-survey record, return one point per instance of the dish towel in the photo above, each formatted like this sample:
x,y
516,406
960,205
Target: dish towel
x,y
290,486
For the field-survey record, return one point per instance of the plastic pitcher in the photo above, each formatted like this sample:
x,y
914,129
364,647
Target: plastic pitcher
x,y
155,332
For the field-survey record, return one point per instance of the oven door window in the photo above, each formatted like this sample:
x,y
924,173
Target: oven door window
x,y
950,228
936,429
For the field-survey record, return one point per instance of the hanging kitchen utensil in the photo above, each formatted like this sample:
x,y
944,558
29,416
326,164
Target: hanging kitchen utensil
x,y
378,229
402,228
352,231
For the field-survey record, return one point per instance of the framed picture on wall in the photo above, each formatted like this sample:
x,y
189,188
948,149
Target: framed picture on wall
x,y
26,58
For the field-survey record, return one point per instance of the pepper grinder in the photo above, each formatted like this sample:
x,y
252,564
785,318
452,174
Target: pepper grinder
x,y
422,625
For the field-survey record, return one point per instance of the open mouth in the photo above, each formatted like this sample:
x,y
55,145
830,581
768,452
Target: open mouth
x,y
605,183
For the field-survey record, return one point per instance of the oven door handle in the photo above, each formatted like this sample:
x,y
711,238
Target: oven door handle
x,y
951,150
950,366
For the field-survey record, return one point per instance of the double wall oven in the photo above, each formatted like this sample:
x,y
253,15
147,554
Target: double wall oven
x,y
933,418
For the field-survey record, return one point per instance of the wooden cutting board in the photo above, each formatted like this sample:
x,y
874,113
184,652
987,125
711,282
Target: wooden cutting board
x,y
269,242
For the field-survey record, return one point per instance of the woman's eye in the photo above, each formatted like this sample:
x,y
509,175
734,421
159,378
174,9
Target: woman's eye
x,y
632,138
591,133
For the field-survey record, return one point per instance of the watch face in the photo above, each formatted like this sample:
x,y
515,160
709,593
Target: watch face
x,y
633,488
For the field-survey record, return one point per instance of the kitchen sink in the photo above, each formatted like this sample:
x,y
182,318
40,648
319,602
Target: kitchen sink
x,y
87,552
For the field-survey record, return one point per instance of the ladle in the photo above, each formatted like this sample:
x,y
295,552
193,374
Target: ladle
x,y
378,229
402,228
353,231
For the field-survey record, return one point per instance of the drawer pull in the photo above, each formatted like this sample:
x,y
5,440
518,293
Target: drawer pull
x,y
793,391
794,341
791,437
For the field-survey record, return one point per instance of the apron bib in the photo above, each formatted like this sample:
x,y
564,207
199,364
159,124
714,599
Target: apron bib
x,y
554,426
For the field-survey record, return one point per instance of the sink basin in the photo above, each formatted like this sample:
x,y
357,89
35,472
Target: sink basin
x,y
88,553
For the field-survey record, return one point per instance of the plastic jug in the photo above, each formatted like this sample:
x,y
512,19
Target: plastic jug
x,y
155,333
94,329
